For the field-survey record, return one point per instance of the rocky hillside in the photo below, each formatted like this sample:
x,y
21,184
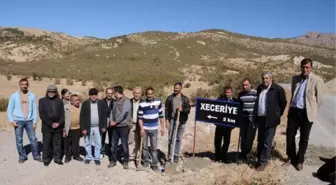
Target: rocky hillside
x,y
318,39
216,57
26,44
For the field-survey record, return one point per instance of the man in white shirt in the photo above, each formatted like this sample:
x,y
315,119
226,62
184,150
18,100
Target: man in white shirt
x,y
269,107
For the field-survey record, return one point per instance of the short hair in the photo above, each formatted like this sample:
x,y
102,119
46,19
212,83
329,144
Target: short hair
x,y
149,89
64,91
93,91
307,61
246,79
178,83
227,88
137,88
118,89
266,73
73,95
23,80
108,88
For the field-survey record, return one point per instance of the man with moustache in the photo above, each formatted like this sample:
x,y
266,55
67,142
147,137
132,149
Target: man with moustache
x,y
108,101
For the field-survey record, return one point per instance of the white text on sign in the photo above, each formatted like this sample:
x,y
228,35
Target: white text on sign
x,y
228,120
219,108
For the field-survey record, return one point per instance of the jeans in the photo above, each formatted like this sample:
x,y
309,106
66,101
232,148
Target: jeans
x,y
265,140
153,138
28,126
222,132
122,133
179,135
94,136
297,119
247,135
71,144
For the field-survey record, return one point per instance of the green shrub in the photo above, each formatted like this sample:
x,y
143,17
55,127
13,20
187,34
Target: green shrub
x,y
187,85
3,104
9,77
35,76
57,81
69,82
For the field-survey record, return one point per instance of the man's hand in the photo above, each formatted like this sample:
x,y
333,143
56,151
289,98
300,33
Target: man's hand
x,y
34,126
103,130
14,123
84,132
112,124
64,134
55,125
162,131
142,132
180,109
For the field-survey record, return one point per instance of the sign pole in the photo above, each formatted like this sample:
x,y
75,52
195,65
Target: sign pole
x,y
194,140
239,139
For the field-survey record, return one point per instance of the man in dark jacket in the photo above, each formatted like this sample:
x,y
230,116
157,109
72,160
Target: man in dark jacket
x,y
223,132
120,119
51,112
177,102
269,107
108,101
93,121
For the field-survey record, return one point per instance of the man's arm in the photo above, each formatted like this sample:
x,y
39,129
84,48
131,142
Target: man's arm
x,y
161,116
166,107
61,121
10,108
34,111
186,106
43,115
126,108
282,100
319,92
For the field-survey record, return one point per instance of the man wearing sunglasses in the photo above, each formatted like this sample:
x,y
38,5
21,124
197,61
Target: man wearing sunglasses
x,y
52,115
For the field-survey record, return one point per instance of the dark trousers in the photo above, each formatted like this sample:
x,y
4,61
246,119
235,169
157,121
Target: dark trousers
x,y
71,144
247,134
297,118
52,142
104,150
122,134
265,140
221,150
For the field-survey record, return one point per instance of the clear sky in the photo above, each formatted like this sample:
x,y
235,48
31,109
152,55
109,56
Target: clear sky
x,y
106,18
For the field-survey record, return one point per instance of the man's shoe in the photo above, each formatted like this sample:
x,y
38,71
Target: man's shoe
x,y
59,162
87,162
21,161
112,164
299,167
46,163
156,169
97,162
78,159
67,160
39,159
287,162
261,167
125,165
176,159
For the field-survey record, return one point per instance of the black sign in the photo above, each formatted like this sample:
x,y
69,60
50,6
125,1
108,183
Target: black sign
x,y
218,112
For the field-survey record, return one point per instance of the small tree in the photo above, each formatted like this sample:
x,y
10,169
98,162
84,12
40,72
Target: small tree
x,y
84,83
57,81
3,104
69,82
35,76
187,85
9,77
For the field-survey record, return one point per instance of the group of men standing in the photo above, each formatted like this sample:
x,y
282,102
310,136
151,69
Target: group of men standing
x,y
66,120
262,109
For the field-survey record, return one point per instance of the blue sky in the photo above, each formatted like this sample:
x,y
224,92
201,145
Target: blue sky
x,y
266,18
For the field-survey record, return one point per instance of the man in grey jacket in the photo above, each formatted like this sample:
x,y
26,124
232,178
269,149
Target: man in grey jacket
x,y
120,119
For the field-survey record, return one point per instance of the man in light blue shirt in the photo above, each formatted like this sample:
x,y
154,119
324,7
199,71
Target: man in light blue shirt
x,y
299,99
22,114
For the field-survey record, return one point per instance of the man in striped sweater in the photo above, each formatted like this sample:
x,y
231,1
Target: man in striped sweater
x,y
149,113
247,127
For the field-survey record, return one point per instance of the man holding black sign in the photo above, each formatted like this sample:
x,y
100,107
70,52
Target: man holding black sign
x,y
223,131
269,107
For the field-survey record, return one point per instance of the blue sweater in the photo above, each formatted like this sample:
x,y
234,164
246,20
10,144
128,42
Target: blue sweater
x,y
14,110
150,112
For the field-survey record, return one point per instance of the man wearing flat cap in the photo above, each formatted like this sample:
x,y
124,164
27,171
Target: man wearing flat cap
x,y
52,115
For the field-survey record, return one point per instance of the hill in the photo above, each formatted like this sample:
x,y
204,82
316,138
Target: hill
x,y
155,58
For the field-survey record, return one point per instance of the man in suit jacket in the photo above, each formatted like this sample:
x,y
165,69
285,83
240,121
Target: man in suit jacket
x,y
307,92
93,120
108,101
269,107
